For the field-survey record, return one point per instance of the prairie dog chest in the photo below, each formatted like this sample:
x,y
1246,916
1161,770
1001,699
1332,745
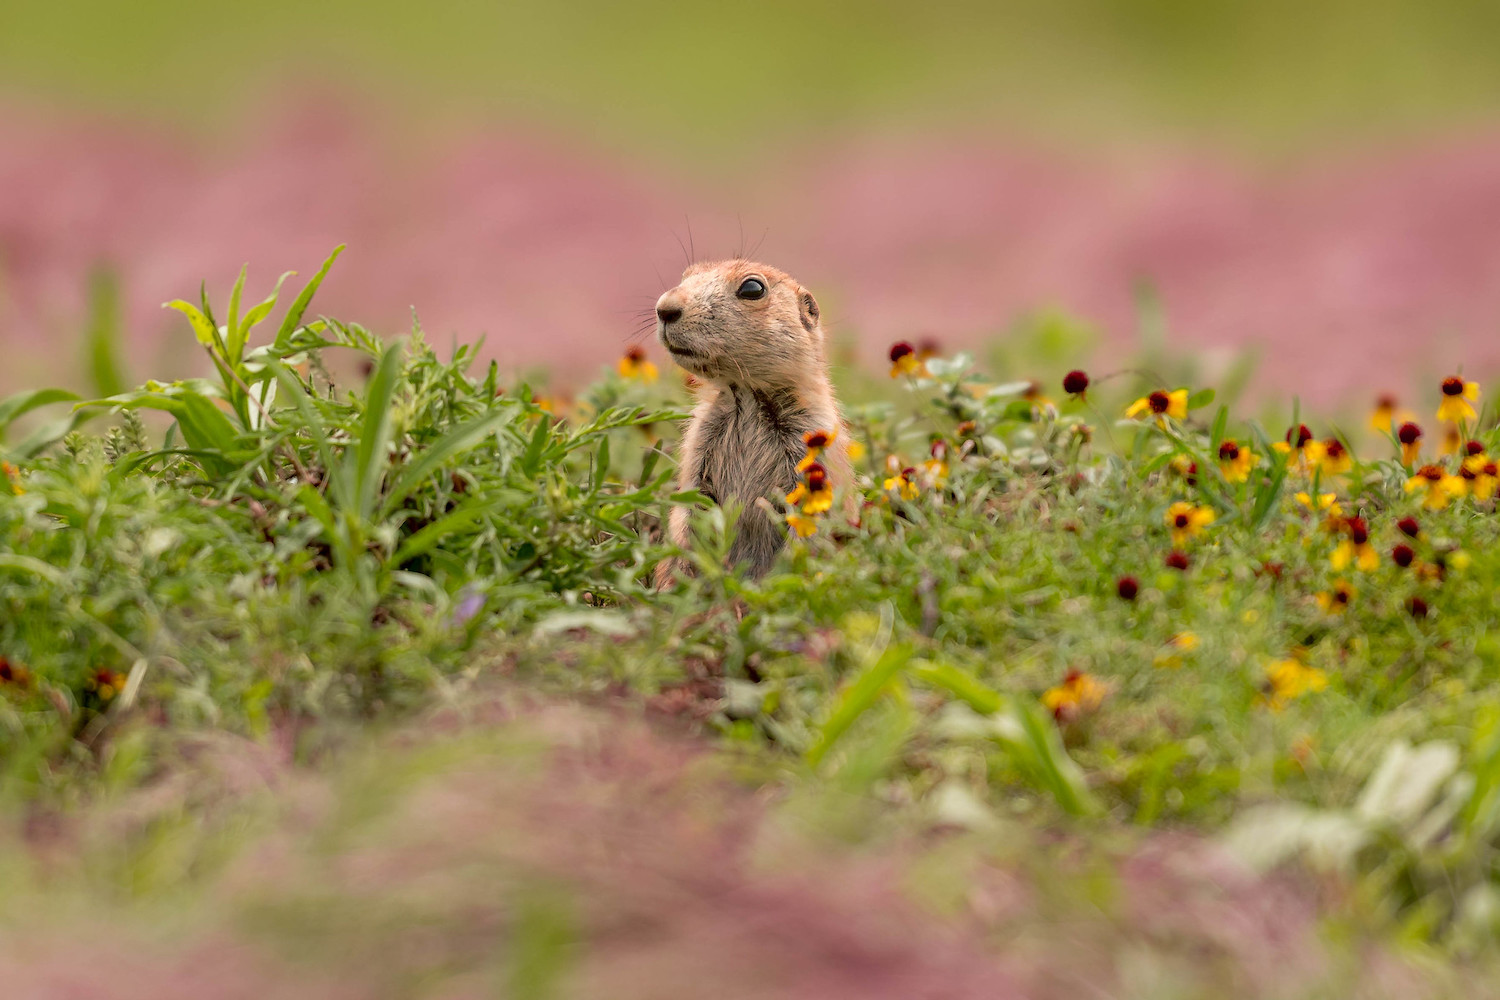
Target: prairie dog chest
x,y
746,443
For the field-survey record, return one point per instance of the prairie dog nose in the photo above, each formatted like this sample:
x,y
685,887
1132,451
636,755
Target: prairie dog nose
x,y
669,307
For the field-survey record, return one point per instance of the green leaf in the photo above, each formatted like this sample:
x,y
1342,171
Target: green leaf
x,y
449,446
233,323
202,328
370,454
239,337
1200,398
13,407
460,519
102,340
293,318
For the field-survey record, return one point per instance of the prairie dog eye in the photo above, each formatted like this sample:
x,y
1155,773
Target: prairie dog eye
x,y
751,288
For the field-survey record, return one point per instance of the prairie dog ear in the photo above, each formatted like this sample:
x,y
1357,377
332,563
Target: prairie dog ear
x,y
807,306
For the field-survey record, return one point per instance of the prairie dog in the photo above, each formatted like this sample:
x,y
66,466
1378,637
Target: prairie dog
x,y
753,338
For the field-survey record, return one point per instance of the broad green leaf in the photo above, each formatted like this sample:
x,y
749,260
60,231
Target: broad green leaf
x,y
202,329
24,402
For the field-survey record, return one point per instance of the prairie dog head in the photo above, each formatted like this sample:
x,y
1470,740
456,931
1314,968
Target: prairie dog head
x,y
740,321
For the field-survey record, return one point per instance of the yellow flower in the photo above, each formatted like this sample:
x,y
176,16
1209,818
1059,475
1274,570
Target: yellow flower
x,y
1236,462
856,450
1440,487
635,365
1303,452
1334,458
1384,414
1355,547
1479,471
1457,393
12,477
934,473
804,526
816,442
1040,404
815,494
903,484
1182,642
1327,502
1161,403
904,361
1334,601
1290,679
1186,520
1079,693
1410,437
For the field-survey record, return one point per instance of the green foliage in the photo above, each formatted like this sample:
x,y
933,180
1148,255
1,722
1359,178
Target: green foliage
x,y
289,544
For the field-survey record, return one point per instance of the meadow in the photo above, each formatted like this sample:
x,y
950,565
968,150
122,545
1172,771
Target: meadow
x,y
1121,688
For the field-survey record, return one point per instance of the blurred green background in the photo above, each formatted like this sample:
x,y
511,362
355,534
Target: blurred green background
x,y
686,80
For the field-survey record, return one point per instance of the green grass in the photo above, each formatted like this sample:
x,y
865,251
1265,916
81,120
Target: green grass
x,y
278,549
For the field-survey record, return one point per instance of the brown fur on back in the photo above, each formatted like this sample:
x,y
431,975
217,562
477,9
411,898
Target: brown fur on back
x,y
764,373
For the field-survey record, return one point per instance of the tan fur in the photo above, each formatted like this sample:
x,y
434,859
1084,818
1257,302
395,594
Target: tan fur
x,y
764,373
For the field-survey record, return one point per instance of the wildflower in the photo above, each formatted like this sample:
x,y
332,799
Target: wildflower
x,y
1078,694
1127,587
904,361
903,484
1457,394
1289,679
1075,383
935,469
816,442
965,429
1472,448
1335,458
1303,451
1410,436
927,347
1325,502
1186,520
1334,601
804,526
1417,607
1235,462
1403,555
1439,486
1040,404
1453,441
1384,413
1171,658
1355,547
1161,403
815,493
12,477
1177,559
106,684
1480,475
12,672
635,365
856,450
1409,527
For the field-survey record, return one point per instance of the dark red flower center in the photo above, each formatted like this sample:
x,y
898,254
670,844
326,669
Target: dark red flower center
x,y
1303,435
816,439
1408,433
1341,595
1474,447
1490,469
1127,587
1177,560
1334,448
1182,520
1385,403
1075,382
1229,451
636,355
1431,473
1159,401
901,350
1403,555
1418,607
1409,526
1359,532
1453,386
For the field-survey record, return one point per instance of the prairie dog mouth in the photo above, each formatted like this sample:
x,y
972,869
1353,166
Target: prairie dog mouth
x,y
684,352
